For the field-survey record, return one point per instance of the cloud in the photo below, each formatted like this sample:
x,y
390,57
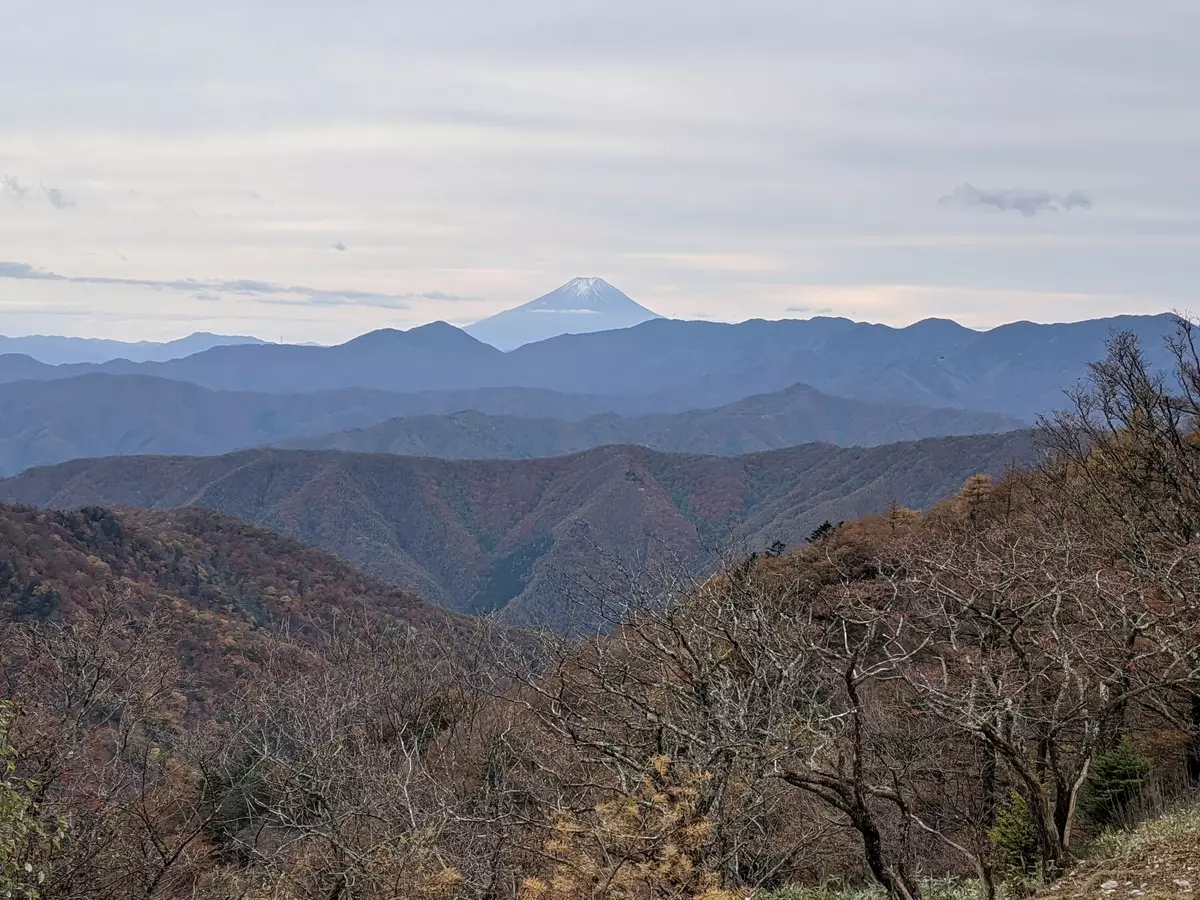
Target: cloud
x,y
496,150
58,198
810,310
339,246
265,291
1026,202
12,186
27,272
438,295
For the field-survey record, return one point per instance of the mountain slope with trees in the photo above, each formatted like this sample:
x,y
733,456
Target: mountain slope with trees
x,y
797,415
522,536
222,583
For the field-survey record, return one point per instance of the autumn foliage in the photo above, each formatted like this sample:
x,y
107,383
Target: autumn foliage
x,y
194,708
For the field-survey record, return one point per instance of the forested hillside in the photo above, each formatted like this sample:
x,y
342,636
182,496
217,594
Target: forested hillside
x,y
527,537
219,579
797,415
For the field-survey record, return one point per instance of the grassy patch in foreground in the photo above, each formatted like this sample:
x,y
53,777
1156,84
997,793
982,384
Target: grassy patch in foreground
x,y
936,889
1158,860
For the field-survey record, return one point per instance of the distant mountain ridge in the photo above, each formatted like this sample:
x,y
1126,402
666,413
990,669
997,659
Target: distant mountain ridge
x,y
526,537
57,350
797,415
1019,370
47,422
581,305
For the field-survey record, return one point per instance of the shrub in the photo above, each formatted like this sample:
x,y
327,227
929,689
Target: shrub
x,y
1117,777
1014,836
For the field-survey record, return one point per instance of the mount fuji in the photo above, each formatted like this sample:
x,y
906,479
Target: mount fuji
x,y
581,305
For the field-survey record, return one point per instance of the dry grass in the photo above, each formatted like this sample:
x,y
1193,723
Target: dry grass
x,y
1159,860
936,889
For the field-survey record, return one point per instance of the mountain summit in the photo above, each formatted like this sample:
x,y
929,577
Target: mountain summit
x,y
581,305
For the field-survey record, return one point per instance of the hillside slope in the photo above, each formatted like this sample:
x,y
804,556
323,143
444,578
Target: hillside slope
x,y
1158,860
224,585
523,535
786,418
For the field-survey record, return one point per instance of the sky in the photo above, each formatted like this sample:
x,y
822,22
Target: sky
x,y
309,171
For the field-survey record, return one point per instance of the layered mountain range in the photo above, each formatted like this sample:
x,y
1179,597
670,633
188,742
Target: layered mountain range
x,y
1020,369
519,480
45,422
772,421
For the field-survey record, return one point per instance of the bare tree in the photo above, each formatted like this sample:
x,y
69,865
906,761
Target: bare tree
x,y
332,784
1124,464
768,674
1039,647
102,747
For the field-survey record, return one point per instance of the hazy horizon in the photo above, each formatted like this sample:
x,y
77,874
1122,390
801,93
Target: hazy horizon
x,y
266,339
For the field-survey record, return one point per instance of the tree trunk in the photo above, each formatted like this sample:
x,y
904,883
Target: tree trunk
x,y
1073,795
1050,846
1193,755
991,787
895,879
987,877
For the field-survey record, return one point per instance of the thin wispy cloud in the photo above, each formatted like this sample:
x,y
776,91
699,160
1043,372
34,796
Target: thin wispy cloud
x,y
59,198
13,187
265,291
1026,202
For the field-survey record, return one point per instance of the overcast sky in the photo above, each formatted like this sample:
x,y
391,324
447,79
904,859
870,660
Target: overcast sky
x,y
314,170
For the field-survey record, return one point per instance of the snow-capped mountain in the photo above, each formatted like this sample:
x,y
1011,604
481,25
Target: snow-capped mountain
x,y
581,305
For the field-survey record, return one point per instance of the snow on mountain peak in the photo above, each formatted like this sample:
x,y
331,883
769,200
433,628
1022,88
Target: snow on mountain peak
x,y
585,293
588,285
581,305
